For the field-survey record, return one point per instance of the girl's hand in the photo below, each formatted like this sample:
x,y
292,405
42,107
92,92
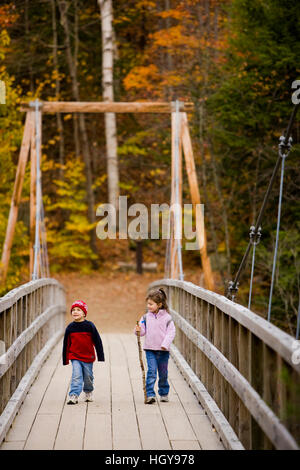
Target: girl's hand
x,y
164,349
137,328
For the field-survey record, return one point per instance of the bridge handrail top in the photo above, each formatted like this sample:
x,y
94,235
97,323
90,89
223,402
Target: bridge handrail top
x,y
274,337
15,294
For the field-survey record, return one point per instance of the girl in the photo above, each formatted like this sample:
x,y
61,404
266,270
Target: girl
x,y
159,330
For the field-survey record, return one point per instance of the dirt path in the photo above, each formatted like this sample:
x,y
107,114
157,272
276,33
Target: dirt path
x,y
115,300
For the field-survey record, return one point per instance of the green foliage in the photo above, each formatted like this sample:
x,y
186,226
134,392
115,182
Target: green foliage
x,y
247,112
10,140
68,230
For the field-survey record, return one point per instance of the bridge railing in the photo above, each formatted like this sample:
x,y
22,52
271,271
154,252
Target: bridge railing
x,y
240,366
31,323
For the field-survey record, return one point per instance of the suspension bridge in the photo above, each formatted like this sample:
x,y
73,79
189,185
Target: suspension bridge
x,y
234,375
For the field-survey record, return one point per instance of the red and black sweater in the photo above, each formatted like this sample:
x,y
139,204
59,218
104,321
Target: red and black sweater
x,y
80,341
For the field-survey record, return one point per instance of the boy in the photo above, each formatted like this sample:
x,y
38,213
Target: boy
x,y
81,336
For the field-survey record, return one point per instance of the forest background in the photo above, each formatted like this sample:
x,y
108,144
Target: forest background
x,y
235,60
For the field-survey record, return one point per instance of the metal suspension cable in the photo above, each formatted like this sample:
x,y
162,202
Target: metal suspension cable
x,y
283,157
233,285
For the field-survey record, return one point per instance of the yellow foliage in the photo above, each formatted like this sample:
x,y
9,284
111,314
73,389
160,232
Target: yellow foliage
x,y
175,37
142,77
173,13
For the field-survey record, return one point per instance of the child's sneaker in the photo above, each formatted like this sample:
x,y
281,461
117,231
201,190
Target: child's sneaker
x,y
164,398
73,400
88,396
150,400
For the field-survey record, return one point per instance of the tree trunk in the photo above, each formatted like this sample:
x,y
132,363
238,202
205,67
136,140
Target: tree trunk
x,y
63,7
28,41
108,95
57,92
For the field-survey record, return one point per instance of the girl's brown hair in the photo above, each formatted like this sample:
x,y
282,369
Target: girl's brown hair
x,y
159,297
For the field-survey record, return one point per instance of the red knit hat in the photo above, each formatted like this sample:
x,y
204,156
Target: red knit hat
x,y
81,304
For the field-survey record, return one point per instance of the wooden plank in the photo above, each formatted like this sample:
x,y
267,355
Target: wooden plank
x,y
185,445
108,107
217,342
257,384
56,393
148,417
43,433
188,399
269,383
98,427
13,445
244,368
176,421
124,423
207,436
70,434
225,352
233,358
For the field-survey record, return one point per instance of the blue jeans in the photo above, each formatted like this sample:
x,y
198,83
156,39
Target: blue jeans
x,y
82,377
157,361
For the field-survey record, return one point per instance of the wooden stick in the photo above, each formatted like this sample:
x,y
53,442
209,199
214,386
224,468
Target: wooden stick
x,y
141,362
108,107
195,195
16,197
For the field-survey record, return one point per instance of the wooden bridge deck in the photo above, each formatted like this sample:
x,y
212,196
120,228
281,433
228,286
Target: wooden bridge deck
x,y
117,419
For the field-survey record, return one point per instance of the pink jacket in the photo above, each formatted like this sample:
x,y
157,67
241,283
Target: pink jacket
x,y
159,330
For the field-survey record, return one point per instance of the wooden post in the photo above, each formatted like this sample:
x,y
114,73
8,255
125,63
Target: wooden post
x,y
245,433
32,200
16,197
36,194
195,195
173,243
108,107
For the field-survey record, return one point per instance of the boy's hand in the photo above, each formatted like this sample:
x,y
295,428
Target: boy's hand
x,y
164,349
